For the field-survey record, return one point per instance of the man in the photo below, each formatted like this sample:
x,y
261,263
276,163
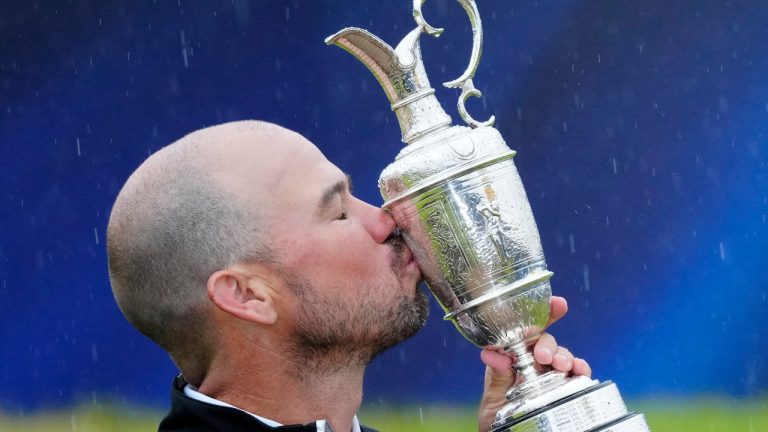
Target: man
x,y
240,250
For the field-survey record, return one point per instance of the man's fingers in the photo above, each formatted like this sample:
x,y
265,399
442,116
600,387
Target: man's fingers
x,y
581,367
546,352
545,349
562,360
500,364
557,308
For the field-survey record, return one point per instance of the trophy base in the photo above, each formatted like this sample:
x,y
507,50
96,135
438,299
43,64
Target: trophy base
x,y
597,408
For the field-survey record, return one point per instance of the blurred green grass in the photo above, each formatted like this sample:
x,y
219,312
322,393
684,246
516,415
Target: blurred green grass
x,y
674,415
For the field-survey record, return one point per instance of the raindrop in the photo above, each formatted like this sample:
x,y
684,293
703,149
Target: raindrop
x,y
572,243
615,167
421,415
94,353
77,140
565,126
73,422
722,251
598,58
184,48
585,273
96,234
287,13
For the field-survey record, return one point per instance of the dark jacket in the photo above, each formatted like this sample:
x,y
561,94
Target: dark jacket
x,y
191,415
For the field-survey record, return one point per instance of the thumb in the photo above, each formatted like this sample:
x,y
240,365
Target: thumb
x,y
499,377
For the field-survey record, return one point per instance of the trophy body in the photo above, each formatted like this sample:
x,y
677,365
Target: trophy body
x,y
461,207
460,204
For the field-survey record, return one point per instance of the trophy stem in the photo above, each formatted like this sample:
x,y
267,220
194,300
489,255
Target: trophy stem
x,y
533,379
525,364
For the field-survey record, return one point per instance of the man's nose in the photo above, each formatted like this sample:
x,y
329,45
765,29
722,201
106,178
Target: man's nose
x,y
379,223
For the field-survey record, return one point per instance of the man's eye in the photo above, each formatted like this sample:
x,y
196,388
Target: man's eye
x,y
343,216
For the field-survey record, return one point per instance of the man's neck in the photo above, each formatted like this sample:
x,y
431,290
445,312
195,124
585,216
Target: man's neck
x,y
279,389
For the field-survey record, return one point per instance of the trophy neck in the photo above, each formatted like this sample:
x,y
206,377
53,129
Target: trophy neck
x,y
420,115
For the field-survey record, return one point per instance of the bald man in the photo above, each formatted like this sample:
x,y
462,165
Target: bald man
x,y
240,250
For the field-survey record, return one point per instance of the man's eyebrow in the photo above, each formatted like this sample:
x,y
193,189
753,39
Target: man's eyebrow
x,y
335,189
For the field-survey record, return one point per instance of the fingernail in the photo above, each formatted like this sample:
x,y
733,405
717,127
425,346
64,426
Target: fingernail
x,y
548,353
562,357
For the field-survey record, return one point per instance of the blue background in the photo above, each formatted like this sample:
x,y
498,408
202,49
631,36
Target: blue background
x,y
640,127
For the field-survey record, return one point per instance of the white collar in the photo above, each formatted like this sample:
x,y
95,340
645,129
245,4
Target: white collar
x,y
322,425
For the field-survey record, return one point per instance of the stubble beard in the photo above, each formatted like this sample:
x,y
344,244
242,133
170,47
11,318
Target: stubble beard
x,y
334,334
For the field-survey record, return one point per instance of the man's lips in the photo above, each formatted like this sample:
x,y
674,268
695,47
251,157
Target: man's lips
x,y
409,260
408,256
404,256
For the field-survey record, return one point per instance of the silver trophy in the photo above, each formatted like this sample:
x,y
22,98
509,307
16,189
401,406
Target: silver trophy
x,y
457,198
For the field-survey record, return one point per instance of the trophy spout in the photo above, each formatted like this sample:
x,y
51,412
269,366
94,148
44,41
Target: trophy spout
x,y
400,72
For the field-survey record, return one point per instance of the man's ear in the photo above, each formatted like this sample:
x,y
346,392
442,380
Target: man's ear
x,y
248,298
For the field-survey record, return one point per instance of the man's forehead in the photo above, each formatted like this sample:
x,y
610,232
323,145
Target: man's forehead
x,y
306,176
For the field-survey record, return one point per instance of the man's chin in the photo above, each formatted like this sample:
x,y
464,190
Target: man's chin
x,y
406,321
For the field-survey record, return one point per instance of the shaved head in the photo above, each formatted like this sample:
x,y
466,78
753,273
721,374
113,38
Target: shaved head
x,y
179,218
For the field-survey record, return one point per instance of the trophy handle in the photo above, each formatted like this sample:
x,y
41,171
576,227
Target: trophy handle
x,y
464,82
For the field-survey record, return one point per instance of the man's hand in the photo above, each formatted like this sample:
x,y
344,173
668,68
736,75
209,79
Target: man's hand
x,y
499,375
